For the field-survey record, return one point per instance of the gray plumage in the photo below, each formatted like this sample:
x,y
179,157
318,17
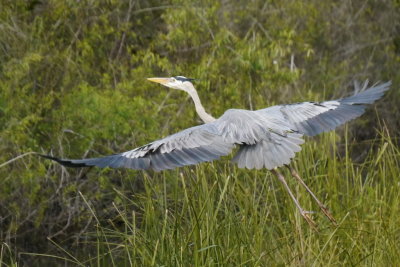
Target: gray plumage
x,y
267,138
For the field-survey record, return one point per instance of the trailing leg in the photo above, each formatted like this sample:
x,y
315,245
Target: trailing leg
x,y
303,213
322,206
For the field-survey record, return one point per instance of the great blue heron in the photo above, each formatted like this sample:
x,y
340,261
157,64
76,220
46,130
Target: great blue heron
x,y
267,138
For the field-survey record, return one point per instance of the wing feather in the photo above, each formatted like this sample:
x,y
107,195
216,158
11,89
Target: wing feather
x,y
312,118
190,146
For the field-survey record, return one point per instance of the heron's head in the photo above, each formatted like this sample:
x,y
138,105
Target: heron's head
x,y
176,82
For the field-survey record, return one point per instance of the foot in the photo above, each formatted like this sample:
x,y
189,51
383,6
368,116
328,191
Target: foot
x,y
310,221
328,215
322,206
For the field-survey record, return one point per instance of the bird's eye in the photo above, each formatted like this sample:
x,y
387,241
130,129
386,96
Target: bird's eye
x,y
173,79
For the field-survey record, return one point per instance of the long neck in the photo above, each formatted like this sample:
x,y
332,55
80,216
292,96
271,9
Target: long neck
x,y
199,107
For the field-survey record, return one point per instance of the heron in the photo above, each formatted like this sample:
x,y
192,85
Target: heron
x,y
266,138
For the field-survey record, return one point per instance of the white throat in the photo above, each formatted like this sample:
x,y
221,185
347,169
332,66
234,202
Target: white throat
x,y
197,103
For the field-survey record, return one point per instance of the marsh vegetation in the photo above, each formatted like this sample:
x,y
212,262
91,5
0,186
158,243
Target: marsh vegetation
x,y
72,83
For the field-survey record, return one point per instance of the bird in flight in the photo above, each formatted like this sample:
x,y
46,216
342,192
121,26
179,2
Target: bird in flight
x,y
267,138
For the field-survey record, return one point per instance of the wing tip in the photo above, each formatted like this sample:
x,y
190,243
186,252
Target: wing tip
x,y
64,162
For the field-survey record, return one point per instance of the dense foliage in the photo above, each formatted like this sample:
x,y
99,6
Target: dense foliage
x,y
72,83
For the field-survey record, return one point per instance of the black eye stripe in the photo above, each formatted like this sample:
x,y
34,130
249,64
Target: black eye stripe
x,y
183,79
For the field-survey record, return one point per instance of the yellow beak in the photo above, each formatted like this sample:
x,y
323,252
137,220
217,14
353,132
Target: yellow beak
x,y
159,80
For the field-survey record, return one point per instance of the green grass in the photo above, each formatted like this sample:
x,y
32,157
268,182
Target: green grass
x,y
215,214
72,83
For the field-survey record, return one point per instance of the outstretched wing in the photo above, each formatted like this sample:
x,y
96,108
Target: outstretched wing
x,y
264,142
191,146
312,118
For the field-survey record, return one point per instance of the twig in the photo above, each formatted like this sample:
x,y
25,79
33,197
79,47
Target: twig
x,y
154,9
127,19
17,158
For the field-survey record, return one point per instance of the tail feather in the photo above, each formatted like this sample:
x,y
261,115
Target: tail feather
x,y
274,152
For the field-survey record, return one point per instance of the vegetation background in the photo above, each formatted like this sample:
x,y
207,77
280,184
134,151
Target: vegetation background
x,y
72,83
